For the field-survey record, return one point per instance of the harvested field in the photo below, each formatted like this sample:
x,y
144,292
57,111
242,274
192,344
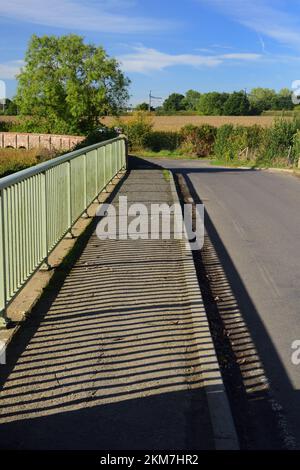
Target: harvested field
x,y
174,123
12,160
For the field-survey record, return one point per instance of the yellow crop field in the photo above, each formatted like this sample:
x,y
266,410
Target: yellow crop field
x,y
175,123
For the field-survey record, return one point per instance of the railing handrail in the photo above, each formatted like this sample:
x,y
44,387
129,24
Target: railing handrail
x,y
40,205
9,180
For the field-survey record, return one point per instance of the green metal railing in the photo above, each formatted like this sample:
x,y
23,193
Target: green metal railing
x,y
38,206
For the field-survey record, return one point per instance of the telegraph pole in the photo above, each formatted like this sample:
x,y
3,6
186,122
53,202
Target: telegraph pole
x,y
151,97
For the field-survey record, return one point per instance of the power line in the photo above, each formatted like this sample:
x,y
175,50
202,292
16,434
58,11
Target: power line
x,y
151,97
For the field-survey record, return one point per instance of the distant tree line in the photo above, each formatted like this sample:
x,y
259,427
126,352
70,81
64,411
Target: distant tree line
x,y
238,103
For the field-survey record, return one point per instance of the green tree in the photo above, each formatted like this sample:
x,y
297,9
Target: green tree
x,y
175,102
67,85
11,108
237,104
144,107
8,107
191,100
212,104
261,99
282,101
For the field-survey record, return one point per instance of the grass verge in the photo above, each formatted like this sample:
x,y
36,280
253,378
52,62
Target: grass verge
x,y
13,160
239,164
166,154
166,175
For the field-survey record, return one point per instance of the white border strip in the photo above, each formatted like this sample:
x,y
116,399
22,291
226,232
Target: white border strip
x,y
225,436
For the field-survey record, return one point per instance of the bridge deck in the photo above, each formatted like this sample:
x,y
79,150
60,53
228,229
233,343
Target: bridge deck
x,y
113,363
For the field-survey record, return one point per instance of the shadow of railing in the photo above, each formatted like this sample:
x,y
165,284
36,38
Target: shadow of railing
x,y
109,359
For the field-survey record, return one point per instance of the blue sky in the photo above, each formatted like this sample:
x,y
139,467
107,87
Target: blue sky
x,y
168,46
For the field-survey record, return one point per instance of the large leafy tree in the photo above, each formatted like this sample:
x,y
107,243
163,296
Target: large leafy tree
x,y
283,100
261,99
191,100
174,102
144,107
67,85
237,104
212,104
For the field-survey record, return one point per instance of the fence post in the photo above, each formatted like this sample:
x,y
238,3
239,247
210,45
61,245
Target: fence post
x,y
85,215
45,221
97,172
125,166
3,318
69,195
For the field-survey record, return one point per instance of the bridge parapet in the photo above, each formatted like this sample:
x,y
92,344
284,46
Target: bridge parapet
x,y
39,206
48,141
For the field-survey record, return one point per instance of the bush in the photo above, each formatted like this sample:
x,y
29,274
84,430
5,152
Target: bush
x,y
278,145
160,140
99,135
273,146
137,129
238,142
296,148
223,148
198,140
5,126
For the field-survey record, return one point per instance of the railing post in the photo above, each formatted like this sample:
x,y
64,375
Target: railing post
x,y
118,157
70,200
45,220
97,172
3,318
111,163
105,169
125,151
85,215
98,167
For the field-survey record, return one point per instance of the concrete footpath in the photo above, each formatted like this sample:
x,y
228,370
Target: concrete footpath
x,y
122,358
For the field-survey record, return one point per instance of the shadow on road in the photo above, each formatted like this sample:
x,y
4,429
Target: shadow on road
x,y
241,338
109,358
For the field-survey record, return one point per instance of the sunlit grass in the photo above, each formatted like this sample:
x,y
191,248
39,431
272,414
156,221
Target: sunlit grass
x,y
12,160
165,154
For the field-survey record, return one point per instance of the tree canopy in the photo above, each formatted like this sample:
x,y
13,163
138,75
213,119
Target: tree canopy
x,y
175,102
144,107
212,104
9,108
191,100
237,104
68,85
261,99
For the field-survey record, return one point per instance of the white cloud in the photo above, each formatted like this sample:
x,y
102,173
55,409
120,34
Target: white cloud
x,y
241,56
263,17
100,15
144,59
9,70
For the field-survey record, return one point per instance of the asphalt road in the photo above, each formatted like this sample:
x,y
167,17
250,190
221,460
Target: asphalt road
x,y
256,215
